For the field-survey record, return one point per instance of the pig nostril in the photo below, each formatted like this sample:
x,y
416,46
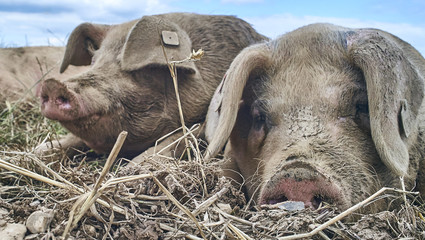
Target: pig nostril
x,y
295,157
45,99
291,158
62,100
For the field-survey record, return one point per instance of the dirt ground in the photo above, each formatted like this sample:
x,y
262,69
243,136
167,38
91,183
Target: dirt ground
x,y
160,198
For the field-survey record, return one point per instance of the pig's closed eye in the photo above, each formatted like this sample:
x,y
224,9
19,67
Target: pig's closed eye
x,y
259,116
259,121
362,115
260,124
362,108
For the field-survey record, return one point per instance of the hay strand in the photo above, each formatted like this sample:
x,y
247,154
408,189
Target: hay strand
x,y
96,191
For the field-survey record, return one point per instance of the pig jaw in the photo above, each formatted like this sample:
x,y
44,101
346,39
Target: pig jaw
x,y
300,181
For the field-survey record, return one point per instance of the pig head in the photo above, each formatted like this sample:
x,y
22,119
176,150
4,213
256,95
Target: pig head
x,y
129,87
22,68
322,114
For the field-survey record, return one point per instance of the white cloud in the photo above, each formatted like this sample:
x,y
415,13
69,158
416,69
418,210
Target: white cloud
x,y
276,25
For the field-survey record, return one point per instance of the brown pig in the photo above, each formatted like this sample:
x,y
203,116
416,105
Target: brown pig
x,y
129,86
322,114
21,69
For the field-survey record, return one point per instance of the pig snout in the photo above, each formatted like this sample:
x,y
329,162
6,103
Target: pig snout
x,y
58,102
301,182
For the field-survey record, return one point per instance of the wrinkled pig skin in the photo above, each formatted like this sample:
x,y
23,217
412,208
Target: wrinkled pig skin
x,y
22,68
129,86
322,114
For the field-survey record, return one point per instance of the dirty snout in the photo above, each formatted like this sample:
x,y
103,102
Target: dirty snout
x,y
300,181
58,102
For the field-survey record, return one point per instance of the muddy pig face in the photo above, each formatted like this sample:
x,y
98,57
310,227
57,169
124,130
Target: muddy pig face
x,y
129,86
322,114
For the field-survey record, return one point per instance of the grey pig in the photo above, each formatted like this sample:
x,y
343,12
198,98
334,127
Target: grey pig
x,y
322,114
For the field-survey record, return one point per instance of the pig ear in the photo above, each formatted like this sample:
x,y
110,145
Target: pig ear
x,y
394,75
223,109
143,47
82,42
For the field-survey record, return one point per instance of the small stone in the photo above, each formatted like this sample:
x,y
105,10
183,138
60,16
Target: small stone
x,y
32,236
225,207
13,231
35,203
291,206
39,221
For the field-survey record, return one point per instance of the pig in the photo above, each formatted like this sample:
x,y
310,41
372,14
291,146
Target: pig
x,y
321,114
23,67
128,86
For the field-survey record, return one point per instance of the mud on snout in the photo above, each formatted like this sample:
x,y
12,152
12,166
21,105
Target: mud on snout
x,y
301,181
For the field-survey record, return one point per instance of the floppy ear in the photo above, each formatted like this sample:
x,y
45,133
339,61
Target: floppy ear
x,y
83,40
223,110
394,75
143,46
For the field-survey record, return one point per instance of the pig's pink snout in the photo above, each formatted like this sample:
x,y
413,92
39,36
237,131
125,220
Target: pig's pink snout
x,y
57,102
301,183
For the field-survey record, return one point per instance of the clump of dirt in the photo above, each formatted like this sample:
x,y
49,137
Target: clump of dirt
x,y
167,199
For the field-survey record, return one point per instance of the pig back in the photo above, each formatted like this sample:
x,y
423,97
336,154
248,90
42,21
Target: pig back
x,y
221,37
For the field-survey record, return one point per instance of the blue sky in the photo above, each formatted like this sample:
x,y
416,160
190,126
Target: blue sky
x,y
49,22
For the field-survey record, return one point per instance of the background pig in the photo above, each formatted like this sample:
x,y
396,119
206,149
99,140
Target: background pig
x,y
323,113
129,87
21,68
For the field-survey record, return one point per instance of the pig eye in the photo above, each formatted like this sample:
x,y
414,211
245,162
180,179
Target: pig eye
x,y
259,125
362,116
260,121
362,109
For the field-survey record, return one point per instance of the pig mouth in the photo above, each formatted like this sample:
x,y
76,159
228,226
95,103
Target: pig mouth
x,y
83,123
92,131
304,184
